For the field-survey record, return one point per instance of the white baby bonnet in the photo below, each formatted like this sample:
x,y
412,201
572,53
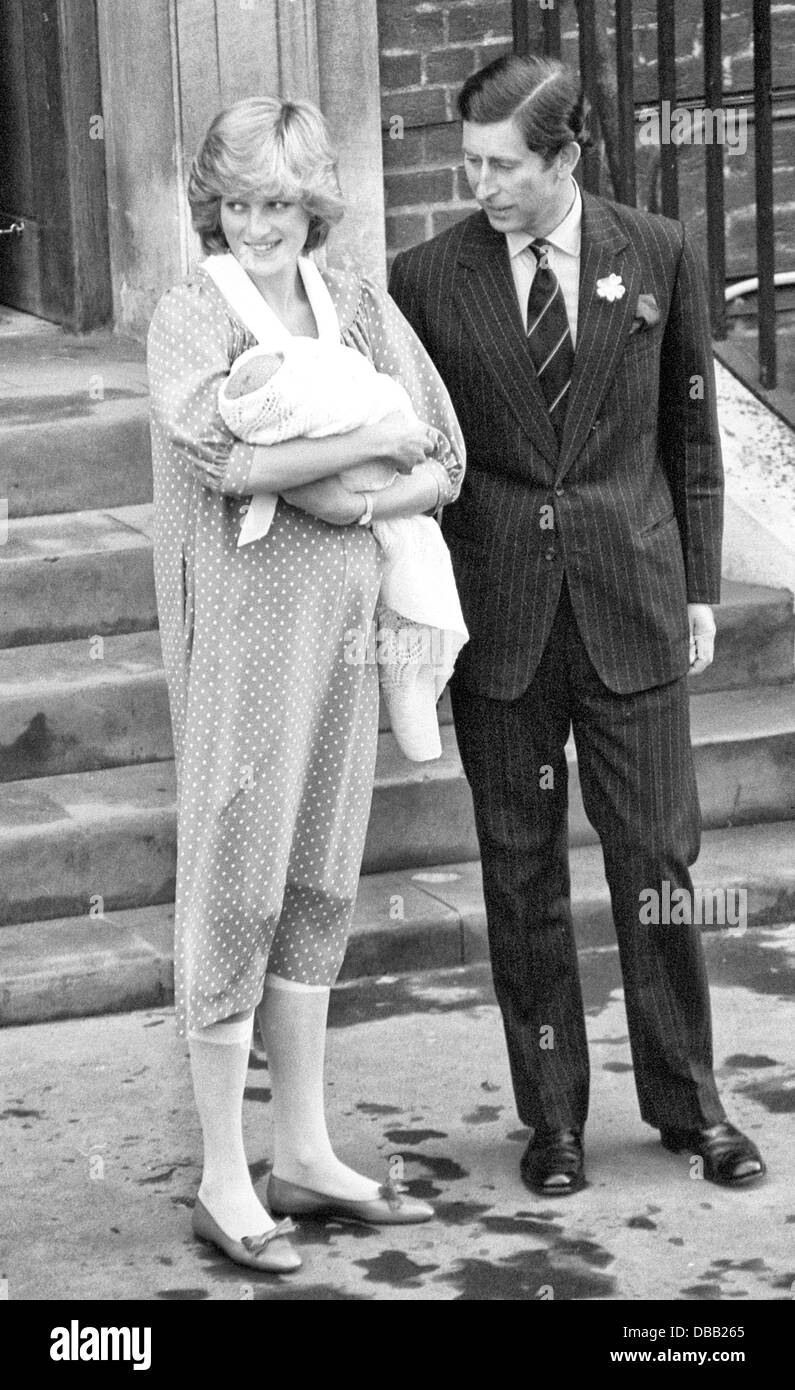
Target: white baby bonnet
x,y
263,410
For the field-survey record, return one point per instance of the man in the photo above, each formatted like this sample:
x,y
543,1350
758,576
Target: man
x,y
572,335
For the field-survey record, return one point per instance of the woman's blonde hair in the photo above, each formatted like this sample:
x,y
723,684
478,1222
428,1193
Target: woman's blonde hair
x,y
270,148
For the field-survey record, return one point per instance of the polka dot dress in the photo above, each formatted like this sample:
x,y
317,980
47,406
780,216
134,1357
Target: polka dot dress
x,y
274,713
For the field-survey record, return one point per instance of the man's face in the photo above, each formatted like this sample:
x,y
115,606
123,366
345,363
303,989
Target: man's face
x,y
515,188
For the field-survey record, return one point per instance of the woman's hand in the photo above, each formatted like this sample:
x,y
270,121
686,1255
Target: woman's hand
x,y
402,442
412,496
328,500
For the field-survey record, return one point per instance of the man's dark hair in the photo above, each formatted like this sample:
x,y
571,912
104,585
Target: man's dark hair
x,y
540,94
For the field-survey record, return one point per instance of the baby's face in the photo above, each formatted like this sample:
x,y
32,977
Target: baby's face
x,y
253,374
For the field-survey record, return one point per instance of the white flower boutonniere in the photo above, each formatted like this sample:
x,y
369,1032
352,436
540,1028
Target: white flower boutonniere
x,y
611,287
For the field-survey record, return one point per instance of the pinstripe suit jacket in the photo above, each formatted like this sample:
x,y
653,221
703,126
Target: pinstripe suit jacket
x,y
631,501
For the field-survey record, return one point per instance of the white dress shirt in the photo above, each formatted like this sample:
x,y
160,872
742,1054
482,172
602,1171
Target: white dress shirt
x,y
564,259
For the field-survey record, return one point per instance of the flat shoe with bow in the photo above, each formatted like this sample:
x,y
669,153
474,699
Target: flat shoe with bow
x,y
553,1163
271,1253
730,1157
391,1208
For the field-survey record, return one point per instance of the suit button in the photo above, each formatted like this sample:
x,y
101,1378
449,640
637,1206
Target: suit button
x,y
558,491
549,554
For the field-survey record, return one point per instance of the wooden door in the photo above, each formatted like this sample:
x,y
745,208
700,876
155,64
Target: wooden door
x,y
52,164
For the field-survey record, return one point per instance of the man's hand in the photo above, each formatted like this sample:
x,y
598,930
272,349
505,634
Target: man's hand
x,y
702,636
328,500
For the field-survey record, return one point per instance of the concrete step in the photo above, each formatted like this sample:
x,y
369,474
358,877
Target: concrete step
x,y
100,457
75,429
756,638
82,704
744,742
77,575
90,703
111,832
105,837
405,921
75,706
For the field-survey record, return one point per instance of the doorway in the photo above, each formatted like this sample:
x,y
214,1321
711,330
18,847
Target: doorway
x,y
54,258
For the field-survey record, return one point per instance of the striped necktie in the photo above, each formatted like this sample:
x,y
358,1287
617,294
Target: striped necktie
x,y
548,336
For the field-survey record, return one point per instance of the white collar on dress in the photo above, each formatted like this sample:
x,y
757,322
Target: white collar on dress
x,y
244,298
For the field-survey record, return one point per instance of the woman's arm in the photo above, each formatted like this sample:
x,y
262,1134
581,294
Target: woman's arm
x,y
285,467
409,496
389,340
329,500
191,344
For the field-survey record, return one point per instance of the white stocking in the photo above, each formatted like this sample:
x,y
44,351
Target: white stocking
x,y
219,1066
292,1019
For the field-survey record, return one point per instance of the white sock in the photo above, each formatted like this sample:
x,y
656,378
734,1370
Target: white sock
x,y
292,1021
219,1065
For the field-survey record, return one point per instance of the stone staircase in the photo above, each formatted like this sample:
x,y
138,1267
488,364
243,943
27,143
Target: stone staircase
x,y
87,790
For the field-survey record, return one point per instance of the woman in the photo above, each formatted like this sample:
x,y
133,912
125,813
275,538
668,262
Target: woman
x,y
274,729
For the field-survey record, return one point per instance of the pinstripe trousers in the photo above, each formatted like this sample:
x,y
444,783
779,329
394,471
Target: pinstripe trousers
x,y
638,786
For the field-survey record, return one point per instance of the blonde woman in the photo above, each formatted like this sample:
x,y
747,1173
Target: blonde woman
x,y
274,730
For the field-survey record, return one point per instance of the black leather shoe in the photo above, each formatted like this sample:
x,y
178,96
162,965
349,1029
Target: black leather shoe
x,y
553,1163
730,1157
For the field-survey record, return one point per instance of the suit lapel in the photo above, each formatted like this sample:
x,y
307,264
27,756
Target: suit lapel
x,y
602,324
486,298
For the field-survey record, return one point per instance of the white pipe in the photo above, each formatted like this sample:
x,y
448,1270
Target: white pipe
x,y
784,277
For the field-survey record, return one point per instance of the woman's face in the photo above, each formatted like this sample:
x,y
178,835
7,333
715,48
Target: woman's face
x,y
266,235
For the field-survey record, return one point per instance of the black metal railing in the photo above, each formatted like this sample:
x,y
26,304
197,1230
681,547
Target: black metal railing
x,y
539,29
765,243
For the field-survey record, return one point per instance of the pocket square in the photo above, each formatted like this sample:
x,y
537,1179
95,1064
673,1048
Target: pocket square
x,y
646,314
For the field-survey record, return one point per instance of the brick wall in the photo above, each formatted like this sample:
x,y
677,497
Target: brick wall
x,y
427,51
429,47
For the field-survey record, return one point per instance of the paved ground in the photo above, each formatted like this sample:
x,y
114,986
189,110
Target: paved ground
x,y
101,1147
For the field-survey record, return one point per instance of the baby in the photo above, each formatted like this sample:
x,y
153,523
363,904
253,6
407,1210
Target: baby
x,y
317,388
320,390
